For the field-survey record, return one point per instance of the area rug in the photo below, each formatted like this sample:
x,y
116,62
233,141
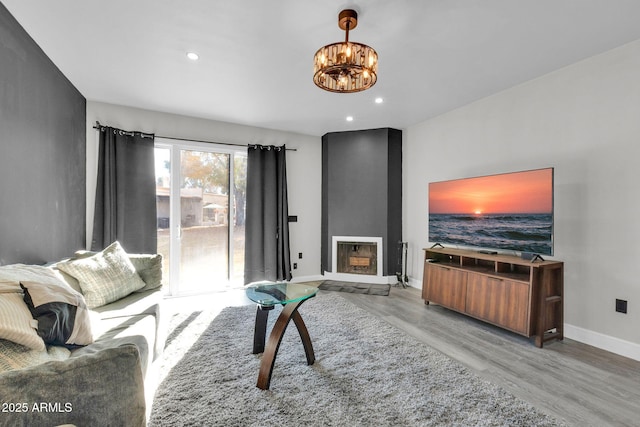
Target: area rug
x,y
366,373
355,288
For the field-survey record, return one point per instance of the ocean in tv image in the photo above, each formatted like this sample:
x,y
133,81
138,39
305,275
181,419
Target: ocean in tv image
x,y
517,232
510,211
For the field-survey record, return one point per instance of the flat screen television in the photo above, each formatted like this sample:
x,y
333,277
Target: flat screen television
x,y
507,212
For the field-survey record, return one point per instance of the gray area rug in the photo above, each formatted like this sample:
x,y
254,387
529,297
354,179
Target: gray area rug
x,y
355,288
366,373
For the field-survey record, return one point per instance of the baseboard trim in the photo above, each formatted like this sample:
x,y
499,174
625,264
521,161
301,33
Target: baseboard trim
x,y
415,283
391,280
356,278
602,341
307,278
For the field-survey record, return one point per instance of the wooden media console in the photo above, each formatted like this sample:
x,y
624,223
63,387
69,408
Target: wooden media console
x,y
523,296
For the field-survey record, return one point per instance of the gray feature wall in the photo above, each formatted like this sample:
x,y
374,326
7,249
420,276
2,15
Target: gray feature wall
x,y
42,153
362,190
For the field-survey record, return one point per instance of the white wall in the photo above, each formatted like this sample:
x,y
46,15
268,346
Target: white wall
x,y
303,166
584,120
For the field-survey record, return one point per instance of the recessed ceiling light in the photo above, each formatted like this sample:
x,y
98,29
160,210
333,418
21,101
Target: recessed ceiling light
x,y
379,100
349,118
193,56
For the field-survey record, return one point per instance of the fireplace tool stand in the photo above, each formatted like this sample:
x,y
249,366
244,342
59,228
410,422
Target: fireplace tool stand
x,y
401,265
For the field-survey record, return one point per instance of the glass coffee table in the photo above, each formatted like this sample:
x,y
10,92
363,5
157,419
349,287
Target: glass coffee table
x,y
267,295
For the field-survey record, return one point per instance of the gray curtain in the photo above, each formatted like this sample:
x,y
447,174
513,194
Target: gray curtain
x,y
125,208
266,253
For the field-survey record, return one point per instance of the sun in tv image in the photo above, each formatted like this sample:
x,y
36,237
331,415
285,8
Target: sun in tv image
x,y
511,211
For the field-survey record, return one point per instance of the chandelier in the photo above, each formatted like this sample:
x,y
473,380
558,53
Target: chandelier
x,y
345,67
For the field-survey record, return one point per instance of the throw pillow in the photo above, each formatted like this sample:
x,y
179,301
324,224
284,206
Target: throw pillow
x,y
149,267
16,323
15,356
63,318
9,286
69,280
104,277
37,273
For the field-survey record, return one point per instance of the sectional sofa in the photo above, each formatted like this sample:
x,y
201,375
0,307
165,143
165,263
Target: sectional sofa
x,y
78,337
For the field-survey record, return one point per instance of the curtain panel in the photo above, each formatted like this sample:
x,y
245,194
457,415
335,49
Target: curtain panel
x,y
267,254
125,207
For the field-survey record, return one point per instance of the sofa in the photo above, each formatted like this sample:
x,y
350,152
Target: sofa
x,y
78,339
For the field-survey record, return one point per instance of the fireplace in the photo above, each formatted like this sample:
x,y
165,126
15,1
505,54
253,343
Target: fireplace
x,y
362,196
357,258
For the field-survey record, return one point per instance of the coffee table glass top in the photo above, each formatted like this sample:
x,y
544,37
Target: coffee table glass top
x,y
272,293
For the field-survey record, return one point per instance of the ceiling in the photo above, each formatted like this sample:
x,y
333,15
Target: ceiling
x,y
255,64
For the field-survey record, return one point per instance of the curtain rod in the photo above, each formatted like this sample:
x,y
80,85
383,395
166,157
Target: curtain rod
x,y
99,126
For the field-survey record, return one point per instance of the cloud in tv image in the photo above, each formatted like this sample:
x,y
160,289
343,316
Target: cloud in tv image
x,y
512,211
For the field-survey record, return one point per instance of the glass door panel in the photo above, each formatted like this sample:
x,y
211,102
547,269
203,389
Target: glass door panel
x,y
200,200
239,196
204,220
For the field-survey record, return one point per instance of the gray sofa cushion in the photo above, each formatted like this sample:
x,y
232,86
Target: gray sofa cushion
x,y
105,388
138,330
148,302
136,303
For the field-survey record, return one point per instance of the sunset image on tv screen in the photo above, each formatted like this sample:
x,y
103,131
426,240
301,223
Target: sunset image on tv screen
x,y
512,211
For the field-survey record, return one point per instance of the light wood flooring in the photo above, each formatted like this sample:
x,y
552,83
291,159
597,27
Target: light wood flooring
x,y
580,384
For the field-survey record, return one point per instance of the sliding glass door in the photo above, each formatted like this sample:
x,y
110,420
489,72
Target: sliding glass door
x,y
200,198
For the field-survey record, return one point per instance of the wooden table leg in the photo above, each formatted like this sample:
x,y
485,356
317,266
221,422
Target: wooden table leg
x,y
269,357
304,336
260,330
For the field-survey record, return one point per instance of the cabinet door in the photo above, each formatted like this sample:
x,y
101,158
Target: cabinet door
x,y
485,296
499,301
445,286
516,317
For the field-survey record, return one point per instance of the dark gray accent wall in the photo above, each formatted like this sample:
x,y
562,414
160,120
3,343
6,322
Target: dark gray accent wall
x,y
362,190
42,153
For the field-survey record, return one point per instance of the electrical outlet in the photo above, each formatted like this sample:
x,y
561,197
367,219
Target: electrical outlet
x,y
621,306
299,255
295,265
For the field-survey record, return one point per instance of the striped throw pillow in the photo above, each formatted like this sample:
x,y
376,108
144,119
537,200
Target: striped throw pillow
x,y
104,277
16,323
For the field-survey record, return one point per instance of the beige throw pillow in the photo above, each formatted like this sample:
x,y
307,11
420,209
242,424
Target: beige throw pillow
x,y
16,323
14,356
104,277
149,267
